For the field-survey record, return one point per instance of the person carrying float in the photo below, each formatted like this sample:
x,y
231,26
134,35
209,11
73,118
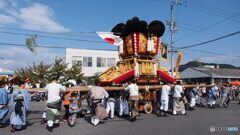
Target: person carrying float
x,y
20,103
4,99
133,99
98,107
74,107
54,103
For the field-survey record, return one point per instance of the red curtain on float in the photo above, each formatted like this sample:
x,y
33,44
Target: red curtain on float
x,y
166,76
118,79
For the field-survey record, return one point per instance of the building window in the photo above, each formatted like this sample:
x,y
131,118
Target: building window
x,y
111,62
87,61
101,62
76,60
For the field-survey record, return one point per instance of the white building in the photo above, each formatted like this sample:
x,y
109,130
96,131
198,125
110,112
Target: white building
x,y
93,61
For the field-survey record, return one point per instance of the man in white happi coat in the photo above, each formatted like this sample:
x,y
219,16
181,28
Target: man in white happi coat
x,y
54,103
133,99
164,99
178,104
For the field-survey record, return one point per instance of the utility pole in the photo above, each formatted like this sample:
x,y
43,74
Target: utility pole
x,y
173,29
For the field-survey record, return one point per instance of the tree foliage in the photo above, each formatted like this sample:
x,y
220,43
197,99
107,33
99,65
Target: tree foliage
x,y
58,69
43,72
32,43
93,80
74,73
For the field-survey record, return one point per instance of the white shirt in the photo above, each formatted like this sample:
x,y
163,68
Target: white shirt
x,y
98,92
165,92
53,90
177,91
133,89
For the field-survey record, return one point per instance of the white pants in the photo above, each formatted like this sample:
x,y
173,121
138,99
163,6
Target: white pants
x,y
193,102
56,120
44,115
94,121
50,122
110,106
124,109
174,112
164,105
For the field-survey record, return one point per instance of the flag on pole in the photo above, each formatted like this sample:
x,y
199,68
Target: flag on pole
x,y
164,52
179,59
111,38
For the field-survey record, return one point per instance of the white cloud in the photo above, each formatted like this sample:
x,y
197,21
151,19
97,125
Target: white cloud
x,y
34,17
21,57
39,17
7,19
12,12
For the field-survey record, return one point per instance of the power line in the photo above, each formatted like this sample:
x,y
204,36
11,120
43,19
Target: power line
x,y
220,11
194,30
44,36
210,11
217,34
208,27
212,52
12,44
58,47
41,46
194,26
65,33
235,33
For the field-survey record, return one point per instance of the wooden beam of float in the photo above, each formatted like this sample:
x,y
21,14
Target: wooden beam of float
x,y
86,89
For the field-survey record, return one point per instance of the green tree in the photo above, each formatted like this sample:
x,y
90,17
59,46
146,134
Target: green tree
x,y
74,73
43,73
36,73
23,73
197,62
94,79
57,70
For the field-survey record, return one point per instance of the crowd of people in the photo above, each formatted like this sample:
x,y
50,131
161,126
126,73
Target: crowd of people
x,y
104,104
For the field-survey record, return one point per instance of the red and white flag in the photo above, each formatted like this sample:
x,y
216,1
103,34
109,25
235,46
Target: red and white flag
x,y
111,38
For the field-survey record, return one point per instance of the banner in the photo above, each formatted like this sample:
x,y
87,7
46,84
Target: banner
x,y
178,61
164,52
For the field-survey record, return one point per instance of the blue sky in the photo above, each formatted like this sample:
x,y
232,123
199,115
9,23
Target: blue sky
x,y
198,21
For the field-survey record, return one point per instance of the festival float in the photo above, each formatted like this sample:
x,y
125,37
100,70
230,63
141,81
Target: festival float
x,y
139,44
138,52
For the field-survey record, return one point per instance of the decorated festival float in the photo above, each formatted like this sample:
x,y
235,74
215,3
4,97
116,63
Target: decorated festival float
x,y
139,44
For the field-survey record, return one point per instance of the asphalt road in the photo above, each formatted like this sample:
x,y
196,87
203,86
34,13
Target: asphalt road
x,y
196,122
